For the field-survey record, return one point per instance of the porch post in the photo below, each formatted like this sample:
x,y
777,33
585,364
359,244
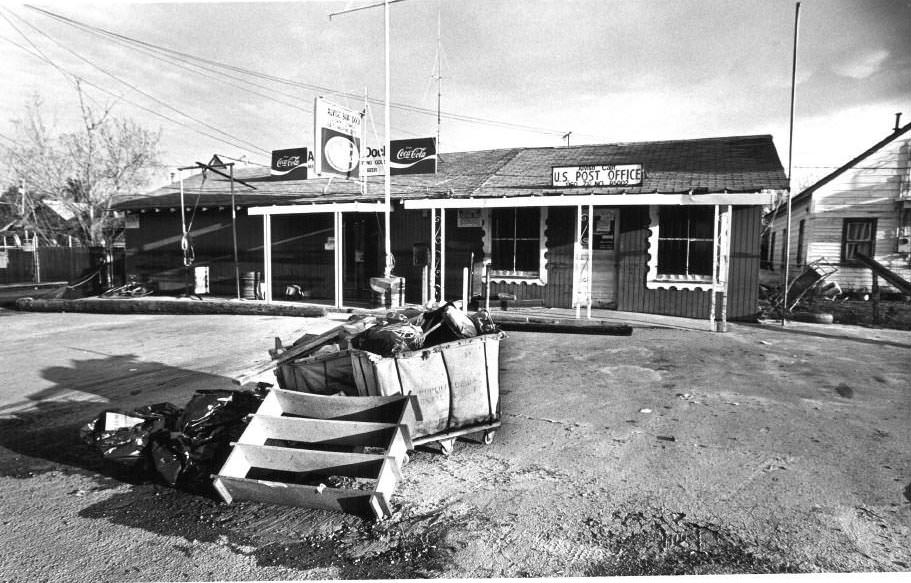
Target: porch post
x,y
338,256
726,264
577,256
591,256
716,252
267,258
442,254
432,292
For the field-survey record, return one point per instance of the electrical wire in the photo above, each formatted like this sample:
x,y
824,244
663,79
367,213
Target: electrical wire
x,y
72,76
142,92
313,87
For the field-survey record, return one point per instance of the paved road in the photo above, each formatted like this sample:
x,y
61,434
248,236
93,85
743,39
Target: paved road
x,y
671,451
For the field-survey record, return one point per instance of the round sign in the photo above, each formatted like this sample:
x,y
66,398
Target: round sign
x,y
341,153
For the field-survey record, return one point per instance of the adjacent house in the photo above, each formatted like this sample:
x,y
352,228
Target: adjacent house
x,y
669,227
863,207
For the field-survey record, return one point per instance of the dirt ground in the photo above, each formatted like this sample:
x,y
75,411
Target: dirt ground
x,y
761,450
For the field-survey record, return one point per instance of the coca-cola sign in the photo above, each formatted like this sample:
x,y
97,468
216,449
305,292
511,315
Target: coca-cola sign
x,y
290,164
414,156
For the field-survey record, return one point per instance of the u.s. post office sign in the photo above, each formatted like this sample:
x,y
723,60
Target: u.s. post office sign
x,y
615,175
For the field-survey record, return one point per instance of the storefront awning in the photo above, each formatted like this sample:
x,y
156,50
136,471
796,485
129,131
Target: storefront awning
x,y
718,198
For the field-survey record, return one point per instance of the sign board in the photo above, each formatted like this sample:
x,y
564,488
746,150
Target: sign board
x,y
372,161
604,228
337,141
582,286
469,218
617,175
290,164
412,156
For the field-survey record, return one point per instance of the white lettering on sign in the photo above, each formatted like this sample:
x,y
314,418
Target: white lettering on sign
x,y
616,175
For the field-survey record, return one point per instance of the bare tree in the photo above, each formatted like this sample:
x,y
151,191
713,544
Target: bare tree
x,y
80,171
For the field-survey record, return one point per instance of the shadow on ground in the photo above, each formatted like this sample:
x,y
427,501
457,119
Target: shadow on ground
x,y
43,428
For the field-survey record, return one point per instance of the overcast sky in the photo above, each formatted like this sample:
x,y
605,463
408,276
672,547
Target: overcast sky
x,y
523,72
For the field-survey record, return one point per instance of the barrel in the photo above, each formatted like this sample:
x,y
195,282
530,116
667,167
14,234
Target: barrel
x,y
249,281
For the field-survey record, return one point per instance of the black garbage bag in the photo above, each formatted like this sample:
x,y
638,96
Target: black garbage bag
x,y
390,339
209,423
447,323
169,454
123,437
484,323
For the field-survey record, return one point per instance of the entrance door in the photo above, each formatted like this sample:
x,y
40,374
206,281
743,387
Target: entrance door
x,y
604,264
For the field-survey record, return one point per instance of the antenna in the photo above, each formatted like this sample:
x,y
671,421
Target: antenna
x,y
566,137
439,68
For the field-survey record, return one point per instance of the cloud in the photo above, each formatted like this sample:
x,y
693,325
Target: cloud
x,y
863,65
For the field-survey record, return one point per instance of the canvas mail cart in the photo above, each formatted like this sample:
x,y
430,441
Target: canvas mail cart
x,y
456,384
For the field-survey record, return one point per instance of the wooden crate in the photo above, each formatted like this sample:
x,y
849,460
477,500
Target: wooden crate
x,y
297,442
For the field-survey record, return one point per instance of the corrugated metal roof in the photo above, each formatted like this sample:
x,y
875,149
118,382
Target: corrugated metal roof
x,y
733,164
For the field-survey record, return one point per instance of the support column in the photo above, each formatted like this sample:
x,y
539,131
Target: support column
x,y
339,260
432,292
442,254
267,258
591,257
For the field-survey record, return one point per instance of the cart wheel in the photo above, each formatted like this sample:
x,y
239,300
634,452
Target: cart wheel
x,y
447,445
488,436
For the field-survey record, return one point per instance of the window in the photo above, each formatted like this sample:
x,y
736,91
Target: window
x,y
857,236
801,249
515,242
685,242
784,248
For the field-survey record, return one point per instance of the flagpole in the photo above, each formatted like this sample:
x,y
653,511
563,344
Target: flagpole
x,y
387,183
787,237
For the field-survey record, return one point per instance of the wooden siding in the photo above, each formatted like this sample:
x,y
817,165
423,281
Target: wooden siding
x,y
743,283
872,189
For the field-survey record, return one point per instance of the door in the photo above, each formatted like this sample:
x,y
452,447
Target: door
x,y
604,257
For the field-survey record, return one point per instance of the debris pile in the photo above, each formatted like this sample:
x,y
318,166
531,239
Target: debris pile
x,y
181,447
351,403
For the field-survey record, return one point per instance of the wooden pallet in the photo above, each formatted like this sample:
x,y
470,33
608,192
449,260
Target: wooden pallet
x,y
310,450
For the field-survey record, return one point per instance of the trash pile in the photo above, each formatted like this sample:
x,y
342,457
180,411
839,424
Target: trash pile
x,y
181,447
373,384
410,329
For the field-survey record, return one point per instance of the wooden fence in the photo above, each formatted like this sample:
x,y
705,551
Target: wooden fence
x,y
53,264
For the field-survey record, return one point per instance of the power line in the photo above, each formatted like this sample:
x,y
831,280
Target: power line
x,y
318,88
41,56
142,92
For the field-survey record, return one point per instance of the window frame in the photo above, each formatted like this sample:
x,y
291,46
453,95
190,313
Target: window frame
x,y
844,238
655,280
532,277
